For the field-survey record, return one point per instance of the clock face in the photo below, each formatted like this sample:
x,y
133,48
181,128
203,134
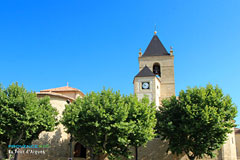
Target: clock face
x,y
145,85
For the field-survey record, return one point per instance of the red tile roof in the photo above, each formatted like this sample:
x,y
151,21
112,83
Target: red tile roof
x,y
63,89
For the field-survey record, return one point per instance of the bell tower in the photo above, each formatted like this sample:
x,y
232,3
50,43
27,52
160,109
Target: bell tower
x,y
156,80
156,70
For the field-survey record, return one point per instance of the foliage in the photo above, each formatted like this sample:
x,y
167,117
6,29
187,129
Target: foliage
x,y
197,122
143,115
23,116
108,123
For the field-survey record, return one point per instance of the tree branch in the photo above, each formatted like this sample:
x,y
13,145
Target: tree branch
x,y
19,138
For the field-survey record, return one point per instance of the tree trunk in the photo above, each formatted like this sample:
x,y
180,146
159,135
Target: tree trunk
x,y
4,151
70,146
92,157
10,142
136,152
16,155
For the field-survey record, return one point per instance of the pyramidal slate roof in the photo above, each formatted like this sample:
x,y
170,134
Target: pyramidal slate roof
x,y
155,48
145,72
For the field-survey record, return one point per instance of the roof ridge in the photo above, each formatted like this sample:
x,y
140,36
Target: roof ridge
x,y
60,87
63,89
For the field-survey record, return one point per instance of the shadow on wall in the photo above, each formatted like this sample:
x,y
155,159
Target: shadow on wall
x,y
58,148
155,150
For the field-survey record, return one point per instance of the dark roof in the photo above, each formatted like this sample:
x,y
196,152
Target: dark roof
x,y
155,48
145,72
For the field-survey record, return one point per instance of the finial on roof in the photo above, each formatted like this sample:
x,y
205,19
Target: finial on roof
x,y
67,84
171,50
155,30
140,52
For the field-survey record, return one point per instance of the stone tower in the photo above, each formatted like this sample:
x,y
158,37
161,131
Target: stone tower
x,y
156,72
156,80
228,151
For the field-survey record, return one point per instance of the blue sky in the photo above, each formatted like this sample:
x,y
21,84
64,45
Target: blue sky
x,y
91,44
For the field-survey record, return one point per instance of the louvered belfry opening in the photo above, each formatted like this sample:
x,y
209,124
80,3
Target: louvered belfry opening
x,y
157,69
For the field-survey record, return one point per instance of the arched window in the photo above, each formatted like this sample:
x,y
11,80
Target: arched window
x,y
157,69
79,151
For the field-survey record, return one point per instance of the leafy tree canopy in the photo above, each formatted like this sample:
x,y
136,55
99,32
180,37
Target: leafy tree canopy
x,y
23,116
108,123
197,122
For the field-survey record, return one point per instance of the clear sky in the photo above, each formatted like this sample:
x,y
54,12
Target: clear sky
x,y
91,44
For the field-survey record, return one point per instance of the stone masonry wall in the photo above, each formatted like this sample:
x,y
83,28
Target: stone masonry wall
x,y
237,138
167,72
156,150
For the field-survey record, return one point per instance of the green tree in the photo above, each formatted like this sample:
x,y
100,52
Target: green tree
x,y
23,116
109,124
197,122
142,113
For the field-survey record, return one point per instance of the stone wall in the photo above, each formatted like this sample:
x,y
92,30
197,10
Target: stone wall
x,y
237,138
167,72
156,150
153,92
229,148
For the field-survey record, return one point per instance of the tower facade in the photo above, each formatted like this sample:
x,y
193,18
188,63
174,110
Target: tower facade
x,y
156,72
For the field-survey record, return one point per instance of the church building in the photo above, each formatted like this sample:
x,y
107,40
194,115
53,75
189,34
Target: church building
x,y
155,79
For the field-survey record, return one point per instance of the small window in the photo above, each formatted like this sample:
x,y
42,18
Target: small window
x,y
79,151
68,101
